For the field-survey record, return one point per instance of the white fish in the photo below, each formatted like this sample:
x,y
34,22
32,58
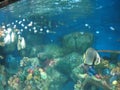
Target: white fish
x,y
12,23
22,25
8,30
7,39
18,32
30,30
21,30
97,32
20,22
48,31
35,31
12,37
30,24
3,27
23,19
16,21
41,29
14,26
34,28
87,25
26,27
8,25
21,43
112,28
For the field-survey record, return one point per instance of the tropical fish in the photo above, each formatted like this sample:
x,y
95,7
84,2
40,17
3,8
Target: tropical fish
x,y
12,37
7,38
91,57
21,43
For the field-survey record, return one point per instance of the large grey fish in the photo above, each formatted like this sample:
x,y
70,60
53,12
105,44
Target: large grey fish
x,y
91,57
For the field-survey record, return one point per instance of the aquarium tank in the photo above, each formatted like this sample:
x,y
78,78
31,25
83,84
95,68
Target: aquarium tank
x,y
60,45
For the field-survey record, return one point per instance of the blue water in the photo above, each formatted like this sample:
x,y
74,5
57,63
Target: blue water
x,y
103,20
105,14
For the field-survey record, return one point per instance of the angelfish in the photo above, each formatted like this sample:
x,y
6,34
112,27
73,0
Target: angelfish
x,y
91,57
12,37
9,36
21,43
7,39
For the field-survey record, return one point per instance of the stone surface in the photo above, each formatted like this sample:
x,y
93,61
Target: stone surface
x,y
69,62
78,41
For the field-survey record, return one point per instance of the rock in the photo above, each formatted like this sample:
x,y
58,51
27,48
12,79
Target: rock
x,y
69,62
76,72
57,79
50,51
78,41
93,82
26,62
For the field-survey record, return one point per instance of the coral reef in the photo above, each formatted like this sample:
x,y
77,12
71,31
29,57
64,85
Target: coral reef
x,y
47,72
50,67
29,62
109,77
30,76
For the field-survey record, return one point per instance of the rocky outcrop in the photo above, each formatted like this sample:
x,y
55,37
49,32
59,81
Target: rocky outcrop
x,y
78,41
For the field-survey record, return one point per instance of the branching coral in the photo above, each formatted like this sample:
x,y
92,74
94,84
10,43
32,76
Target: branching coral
x,y
29,75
